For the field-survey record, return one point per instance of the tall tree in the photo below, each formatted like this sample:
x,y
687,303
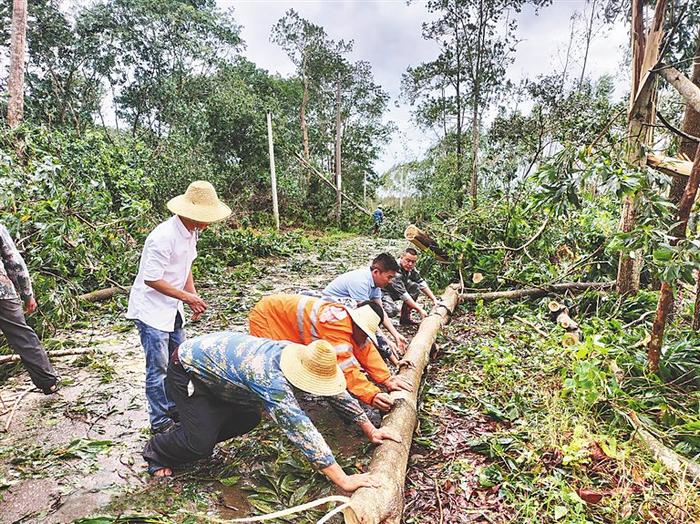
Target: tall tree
x,y
645,53
18,47
467,73
154,47
311,50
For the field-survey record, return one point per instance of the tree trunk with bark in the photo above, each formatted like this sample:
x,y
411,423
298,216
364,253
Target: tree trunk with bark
x,y
18,51
645,52
304,129
100,295
384,504
691,126
666,297
553,289
589,34
475,107
460,184
425,242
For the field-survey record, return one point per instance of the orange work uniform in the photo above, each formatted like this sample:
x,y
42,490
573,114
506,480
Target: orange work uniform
x,y
303,319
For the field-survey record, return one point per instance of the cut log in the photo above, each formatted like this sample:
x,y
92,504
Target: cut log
x,y
11,359
559,313
101,295
669,165
425,242
385,504
551,289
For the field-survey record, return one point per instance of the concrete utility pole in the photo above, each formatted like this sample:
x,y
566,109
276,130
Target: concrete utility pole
x,y
338,162
273,176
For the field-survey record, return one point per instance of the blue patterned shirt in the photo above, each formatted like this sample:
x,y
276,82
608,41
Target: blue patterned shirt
x,y
226,360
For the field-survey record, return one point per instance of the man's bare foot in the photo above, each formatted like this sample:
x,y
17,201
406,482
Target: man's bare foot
x,y
163,472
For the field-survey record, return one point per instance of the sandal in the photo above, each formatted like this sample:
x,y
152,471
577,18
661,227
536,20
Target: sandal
x,y
155,468
50,390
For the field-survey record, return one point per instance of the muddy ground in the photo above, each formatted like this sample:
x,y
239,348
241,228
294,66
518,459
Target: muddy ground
x,y
77,453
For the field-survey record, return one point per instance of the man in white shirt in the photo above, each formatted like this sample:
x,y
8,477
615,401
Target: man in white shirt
x,y
163,283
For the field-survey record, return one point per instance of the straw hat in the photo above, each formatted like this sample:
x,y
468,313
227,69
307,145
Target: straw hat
x,y
367,320
313,368
199,203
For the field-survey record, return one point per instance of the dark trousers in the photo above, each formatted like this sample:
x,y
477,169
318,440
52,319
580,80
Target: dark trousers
x,y
204,420
23,340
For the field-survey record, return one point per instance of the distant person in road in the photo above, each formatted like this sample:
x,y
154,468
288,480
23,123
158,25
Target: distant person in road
x,y
16,299
365,284
164,282
378,218
220,383
406,286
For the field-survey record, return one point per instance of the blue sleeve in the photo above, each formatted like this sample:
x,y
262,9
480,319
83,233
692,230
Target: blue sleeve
x,y
287,413
348,406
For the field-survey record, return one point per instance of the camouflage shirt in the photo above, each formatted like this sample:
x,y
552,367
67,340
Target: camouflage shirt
x,y
226,360
398,288
14,277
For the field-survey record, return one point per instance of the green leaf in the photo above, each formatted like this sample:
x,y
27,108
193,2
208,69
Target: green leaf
x,y
560,512
230,481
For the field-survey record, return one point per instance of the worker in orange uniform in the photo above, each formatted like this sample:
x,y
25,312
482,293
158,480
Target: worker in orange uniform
x,y
303,319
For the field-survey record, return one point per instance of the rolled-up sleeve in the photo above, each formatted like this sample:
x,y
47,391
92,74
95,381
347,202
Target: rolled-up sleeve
x,y
298,428
156,256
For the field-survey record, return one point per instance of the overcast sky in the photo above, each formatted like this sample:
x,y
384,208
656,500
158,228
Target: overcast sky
x,y
387,34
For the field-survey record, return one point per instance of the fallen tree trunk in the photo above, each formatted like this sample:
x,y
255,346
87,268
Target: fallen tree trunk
x,y
425,242
551,289
101,295
669,458
385,504
11,359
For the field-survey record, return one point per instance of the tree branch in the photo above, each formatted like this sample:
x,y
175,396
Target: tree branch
x,y
689,91
675,130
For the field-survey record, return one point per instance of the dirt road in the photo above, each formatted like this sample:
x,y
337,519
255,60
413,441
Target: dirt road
x,y
77,453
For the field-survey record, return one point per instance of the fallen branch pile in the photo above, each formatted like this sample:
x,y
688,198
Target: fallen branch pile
x,y
385,504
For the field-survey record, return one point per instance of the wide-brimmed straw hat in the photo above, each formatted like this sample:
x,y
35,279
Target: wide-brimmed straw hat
x,y
199,203
367,320
313,368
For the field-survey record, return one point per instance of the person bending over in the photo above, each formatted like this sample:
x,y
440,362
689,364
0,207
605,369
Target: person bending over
x,y
365,284
406,286
352,333
221,381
